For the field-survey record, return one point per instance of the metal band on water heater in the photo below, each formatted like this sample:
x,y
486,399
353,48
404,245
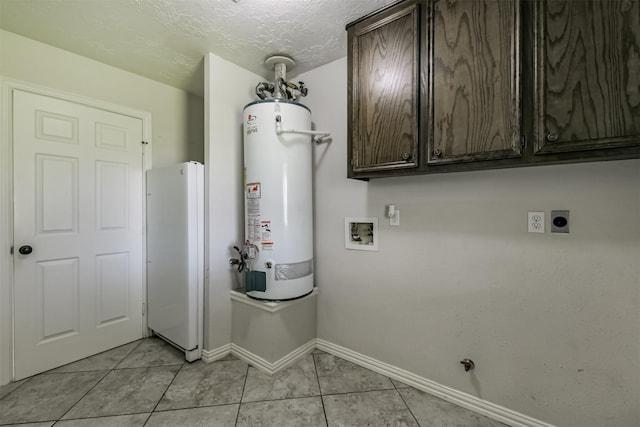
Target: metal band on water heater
x,y
294,271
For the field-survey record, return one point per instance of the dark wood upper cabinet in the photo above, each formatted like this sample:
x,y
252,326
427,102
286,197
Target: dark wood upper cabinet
x,y
454,85
588,82
476,81
384,90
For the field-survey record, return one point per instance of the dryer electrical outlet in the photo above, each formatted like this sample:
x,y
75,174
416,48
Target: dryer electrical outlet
x,y
560,221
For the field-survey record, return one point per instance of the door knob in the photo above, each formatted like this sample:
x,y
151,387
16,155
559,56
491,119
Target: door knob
x,y
25,250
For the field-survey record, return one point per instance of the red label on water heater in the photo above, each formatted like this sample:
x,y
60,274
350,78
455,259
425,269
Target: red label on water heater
x,y
253,190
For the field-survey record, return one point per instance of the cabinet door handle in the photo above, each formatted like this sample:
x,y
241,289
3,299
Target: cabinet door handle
x,y
552,137
406,157
437,152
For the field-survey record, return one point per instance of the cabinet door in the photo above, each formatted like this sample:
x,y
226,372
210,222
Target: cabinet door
x,y
383,93
588,75
476,81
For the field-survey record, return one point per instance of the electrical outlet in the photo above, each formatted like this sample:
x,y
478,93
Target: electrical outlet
x,y
535,222
560,221
395,219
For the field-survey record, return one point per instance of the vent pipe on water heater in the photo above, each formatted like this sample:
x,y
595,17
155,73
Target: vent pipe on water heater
x,y
278,250
281,89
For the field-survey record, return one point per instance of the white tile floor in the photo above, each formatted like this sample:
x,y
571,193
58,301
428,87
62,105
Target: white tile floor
x,y
148,383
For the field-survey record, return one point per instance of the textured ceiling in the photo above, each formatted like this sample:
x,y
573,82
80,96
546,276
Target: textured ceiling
x,y
165,40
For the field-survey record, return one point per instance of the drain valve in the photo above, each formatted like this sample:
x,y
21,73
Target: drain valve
x,y
468,364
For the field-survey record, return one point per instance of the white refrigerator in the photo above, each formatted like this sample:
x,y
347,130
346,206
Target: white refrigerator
x,y
175,255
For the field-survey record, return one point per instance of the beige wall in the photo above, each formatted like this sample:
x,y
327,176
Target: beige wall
x,y
177,116
195,130
228,88
273,336
552,321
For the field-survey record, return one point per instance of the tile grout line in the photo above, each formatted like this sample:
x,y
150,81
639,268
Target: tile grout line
x,y
132,350
146,420
163,394
215,405
324,411
149,366
244,385
98,382
360,391
26,380
106,374
84,395
82,419
168,387
405,403
279,399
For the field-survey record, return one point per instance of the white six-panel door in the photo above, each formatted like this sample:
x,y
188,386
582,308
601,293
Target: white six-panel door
x,y
78,203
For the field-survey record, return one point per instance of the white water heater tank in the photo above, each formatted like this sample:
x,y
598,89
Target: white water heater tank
x,y
278,200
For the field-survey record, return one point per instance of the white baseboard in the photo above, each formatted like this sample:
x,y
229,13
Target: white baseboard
x,y
256,361
268,367
209,356
475,404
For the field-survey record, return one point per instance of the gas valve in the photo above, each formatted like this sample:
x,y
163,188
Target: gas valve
x,y
468,364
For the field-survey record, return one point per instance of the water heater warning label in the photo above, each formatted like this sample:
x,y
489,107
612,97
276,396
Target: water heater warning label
x,y
253,194
265,230
253,228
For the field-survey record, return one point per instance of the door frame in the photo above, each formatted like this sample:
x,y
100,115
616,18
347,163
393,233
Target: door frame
x,y
8,86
